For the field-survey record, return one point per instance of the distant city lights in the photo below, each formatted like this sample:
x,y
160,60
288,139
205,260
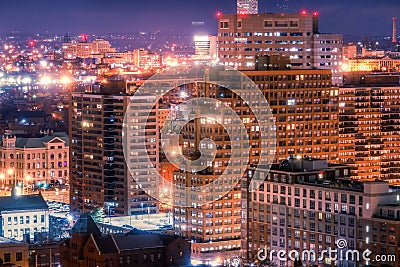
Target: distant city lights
x,y
45,80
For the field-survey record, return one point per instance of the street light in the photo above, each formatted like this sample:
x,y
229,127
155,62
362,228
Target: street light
x,y
141,204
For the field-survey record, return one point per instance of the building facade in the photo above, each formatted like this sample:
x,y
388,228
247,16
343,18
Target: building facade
x,y
13,253
328,55
23,215
146,59
385,64
34,161
205,47
88,247
369,130
99,173
305,110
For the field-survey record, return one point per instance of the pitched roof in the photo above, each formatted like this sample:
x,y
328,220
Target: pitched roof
x,y
23,202
131,242
119,242
39,142
105,244
86,225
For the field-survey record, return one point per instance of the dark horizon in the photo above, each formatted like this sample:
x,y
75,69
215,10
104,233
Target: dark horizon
x,y
358,18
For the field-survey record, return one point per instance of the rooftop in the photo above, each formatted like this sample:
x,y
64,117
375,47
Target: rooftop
x,y
22,202
4,240
39,142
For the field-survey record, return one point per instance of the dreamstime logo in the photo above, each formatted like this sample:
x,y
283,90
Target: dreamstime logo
x,y
341,253
255,124
341,243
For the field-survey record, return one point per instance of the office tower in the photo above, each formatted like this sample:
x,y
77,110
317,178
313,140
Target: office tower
x,y
369,129
305,110
295,37
247,7
205,47
40,161
99,174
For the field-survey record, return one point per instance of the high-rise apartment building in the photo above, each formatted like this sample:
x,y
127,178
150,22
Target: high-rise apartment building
x,y
247,7
293,36
306,204
99,173
369,131
305,110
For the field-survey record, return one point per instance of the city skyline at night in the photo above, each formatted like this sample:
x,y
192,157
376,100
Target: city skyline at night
x,y
224,133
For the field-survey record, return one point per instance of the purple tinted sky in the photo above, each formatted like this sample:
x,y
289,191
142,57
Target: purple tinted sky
x,y
357,17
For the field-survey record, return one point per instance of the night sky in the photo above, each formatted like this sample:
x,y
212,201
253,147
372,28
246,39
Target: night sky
x,y
354,17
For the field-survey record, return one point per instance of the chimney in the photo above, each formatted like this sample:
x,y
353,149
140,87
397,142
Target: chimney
x,y
394,33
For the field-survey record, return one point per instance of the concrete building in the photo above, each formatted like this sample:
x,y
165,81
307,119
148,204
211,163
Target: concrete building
x,y
307,204
305,110
23,215
247,7
294,36
99,174
34,161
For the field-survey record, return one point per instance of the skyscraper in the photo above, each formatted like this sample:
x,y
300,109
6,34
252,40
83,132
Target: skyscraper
x,y
247,6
